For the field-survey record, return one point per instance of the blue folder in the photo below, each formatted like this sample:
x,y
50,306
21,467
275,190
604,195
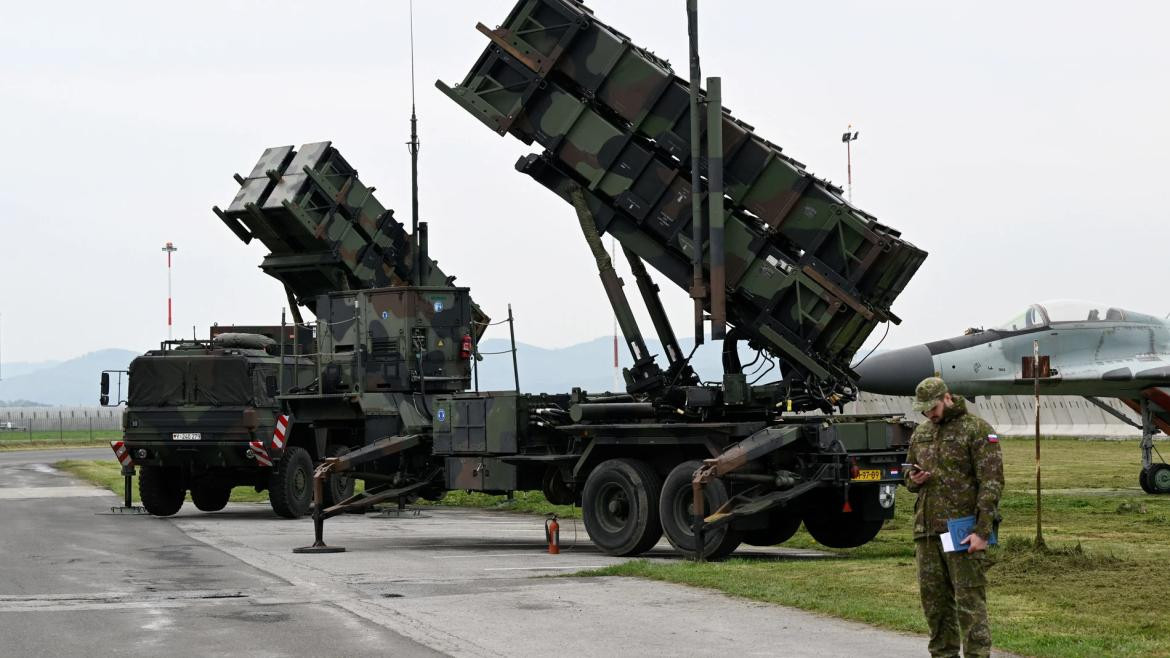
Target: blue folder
x,y
958,529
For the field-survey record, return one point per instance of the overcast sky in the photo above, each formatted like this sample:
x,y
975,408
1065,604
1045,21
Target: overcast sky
x,y
1024,145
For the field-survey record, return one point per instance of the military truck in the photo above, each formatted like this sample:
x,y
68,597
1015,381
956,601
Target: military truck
x,y
202,416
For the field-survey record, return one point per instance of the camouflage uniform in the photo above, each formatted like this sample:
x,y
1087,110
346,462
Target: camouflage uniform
x,y
962,454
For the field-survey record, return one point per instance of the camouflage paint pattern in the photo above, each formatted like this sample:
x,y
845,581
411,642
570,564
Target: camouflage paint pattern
x,y
482,423
963,457
953,589
805,271
325,228
387,339
225,395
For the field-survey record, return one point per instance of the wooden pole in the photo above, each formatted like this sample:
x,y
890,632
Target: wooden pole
x,y
1036,394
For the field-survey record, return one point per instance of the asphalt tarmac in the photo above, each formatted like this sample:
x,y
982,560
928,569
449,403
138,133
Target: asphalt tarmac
x,y
76,580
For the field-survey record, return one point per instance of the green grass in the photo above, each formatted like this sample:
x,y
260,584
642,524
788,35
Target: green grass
x,y
531,502
108,474
1099,589
37,440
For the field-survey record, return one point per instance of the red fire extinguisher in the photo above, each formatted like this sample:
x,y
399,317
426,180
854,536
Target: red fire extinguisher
x,y
552,534
465,347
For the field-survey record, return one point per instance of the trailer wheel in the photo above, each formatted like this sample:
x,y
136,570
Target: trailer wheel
x,y
161,489
210,498
782,524
340,487
554,488
834,528
290,489
620,507
676,509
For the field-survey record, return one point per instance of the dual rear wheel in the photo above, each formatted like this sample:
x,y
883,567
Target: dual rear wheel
x,y
627,508
163,490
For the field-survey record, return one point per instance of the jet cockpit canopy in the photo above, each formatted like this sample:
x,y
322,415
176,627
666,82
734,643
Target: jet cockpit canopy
x,y
1043,314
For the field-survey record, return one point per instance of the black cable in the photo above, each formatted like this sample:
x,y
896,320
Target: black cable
x,y
771,365
874,348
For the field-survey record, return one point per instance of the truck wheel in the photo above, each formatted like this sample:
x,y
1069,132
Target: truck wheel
x,y
782,524
340,487
161,489
1159,478
677,509
209,497
620,507
831,527
290,489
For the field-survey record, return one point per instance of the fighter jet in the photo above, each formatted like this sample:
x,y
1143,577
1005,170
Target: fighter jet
x,y
1086,349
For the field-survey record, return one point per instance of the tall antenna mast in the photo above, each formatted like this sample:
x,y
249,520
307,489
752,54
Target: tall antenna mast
x,y
413,144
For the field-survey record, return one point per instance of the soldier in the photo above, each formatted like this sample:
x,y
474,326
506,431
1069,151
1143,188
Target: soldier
x,y
956,471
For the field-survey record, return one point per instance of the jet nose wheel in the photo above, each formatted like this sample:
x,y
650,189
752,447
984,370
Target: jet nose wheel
x,y
1155,479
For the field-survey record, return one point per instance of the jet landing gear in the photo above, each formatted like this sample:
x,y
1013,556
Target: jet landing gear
x,y
1154,477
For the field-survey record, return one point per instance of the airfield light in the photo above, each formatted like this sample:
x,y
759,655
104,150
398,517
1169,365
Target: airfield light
x,y
849,137
170,248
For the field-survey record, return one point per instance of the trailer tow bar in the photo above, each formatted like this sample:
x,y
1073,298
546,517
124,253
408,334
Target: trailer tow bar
x,y
346,462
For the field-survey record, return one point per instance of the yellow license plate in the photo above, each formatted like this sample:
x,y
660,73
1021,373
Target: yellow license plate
x,y
869,474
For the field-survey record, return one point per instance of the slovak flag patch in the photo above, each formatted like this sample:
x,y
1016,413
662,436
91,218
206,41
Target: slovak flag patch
x,y
993,438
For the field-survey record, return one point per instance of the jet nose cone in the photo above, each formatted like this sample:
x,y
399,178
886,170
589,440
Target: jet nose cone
x,y
896,372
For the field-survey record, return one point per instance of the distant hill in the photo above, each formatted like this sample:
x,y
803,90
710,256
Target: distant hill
x,y
542,370
72,382
5,404
18,368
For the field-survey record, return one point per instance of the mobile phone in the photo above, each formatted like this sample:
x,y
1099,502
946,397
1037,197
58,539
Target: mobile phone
x,y
910,467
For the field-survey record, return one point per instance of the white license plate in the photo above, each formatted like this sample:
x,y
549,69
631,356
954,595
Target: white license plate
x,y
186,436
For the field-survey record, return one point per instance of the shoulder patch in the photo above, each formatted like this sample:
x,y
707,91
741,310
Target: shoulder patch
x,y
993,438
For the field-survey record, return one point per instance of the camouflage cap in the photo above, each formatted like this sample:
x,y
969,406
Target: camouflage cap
x,y
928,393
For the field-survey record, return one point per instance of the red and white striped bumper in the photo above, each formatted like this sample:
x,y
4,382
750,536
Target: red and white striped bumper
x,y
122,453
279,433
260,453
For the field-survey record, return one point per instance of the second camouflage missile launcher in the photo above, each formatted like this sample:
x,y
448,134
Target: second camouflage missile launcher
x,y
808,275
325,229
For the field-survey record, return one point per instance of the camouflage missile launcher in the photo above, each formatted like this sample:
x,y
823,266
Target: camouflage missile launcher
x,y
325,229
808,276
203,416
804,276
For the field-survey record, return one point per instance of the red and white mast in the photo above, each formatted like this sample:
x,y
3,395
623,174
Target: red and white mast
x,y
170,249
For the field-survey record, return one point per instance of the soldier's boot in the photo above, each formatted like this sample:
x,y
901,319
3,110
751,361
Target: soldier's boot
x,y
938,598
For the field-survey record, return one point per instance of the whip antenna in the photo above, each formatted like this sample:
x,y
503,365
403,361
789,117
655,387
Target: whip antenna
x,y
413,144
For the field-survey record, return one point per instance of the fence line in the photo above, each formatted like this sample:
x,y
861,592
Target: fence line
x,y
21,423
